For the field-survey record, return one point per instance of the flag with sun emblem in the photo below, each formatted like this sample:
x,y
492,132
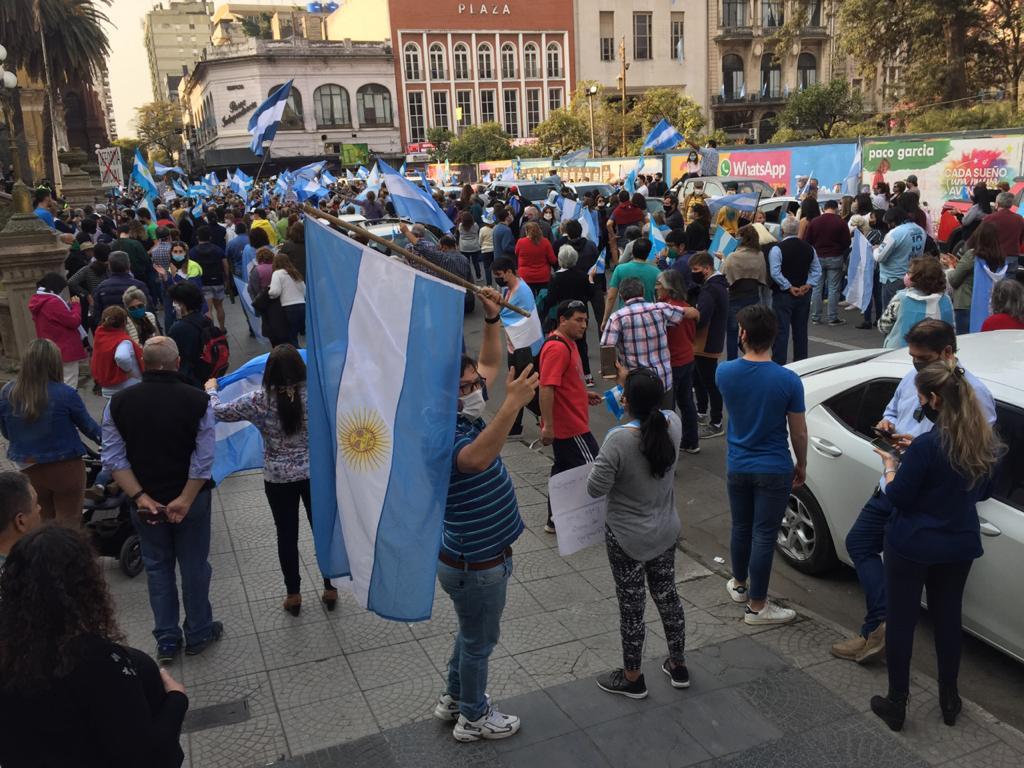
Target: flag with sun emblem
x,y
385,342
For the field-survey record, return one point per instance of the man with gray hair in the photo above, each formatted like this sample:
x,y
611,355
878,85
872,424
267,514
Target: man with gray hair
x,y
110,292
159,442
795,271
1010,229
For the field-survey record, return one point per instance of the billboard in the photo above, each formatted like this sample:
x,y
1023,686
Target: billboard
x,y
355,154
946,168
606,170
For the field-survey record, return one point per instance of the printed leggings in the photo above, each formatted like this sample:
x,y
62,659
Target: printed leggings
x,y
629,588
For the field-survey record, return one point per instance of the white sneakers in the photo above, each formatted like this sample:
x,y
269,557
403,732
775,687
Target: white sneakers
x,y
447,708
493,725
736,592
770,614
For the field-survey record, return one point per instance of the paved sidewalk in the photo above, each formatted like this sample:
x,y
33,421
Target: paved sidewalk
x,y
346,689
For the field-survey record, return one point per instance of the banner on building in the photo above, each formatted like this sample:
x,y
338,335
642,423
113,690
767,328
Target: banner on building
x,y
355,154
111,171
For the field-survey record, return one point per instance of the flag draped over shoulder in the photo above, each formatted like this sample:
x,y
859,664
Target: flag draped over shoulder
x,y
984,281
264,121
861,273
385,342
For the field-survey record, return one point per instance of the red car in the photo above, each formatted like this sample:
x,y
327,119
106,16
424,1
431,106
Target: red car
x,y
953,211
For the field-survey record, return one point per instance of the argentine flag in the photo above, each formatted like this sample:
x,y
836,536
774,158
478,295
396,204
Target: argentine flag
x,y
508,174
722,242
239,443
163,170
658,244
142,176
179,188
745,202
385,342
861,273
579,157
522,331
984,281
411,201
662,138
264,121
326,177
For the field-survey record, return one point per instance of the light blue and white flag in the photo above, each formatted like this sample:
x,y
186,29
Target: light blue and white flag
x,y
861,272
662,138
984,281
363,172
591,227
179,188
198,209
722,242
162,170
807,185
239,443
568,208
264,121
402,169
310,171
142,176
487,178
309,189
599,265
522,331
326,177
851,184
349,176
508,174
743,90
745,201
658,244
411,201
382,412
212,179
579,157
630,183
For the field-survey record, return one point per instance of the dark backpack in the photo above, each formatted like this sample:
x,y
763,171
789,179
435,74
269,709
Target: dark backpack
x,y
534,405
214,352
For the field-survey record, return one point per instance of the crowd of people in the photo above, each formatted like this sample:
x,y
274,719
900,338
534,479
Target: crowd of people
x,y
696,340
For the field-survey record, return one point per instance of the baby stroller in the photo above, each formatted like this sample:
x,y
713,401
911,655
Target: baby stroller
x,y
108,523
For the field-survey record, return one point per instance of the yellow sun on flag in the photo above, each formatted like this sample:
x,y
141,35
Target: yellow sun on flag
x,y
363,439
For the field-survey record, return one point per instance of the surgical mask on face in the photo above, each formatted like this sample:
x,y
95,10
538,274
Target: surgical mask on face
x,y
178,258
907,282
137,313
473,404
698,277
920,365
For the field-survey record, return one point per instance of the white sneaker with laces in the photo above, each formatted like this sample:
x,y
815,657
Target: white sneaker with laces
x,y
447,708
493,725
737,593
770,614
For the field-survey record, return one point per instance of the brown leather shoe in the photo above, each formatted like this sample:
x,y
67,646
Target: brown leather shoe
x,y
330,599
874,646
849,649
293,604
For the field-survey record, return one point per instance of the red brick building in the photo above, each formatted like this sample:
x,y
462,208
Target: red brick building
x,y
505,62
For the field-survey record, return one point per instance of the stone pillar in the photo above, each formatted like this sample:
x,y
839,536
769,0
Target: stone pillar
x,y
28,250
77,187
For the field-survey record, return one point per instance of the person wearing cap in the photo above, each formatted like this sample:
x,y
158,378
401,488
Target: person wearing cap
x,y
486,246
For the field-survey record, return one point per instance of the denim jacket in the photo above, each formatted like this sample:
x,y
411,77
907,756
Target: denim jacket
x,y
52,437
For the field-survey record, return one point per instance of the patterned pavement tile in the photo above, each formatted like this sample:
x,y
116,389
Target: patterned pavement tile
x,y
926,734
387,666
542,564
328,722
519,603
248,481
732,613
706,592
269,614
232,656
998,755
221,542
367,631
703,629
562,591
688,569
855,683
531,496
602,580
226,591
442,619
802,643
408,701
429,744
506,678
794,702
532,632
224,565
242,500
588,619
255,689
308,683
299,644
367,752
566,662
258,560
588,559
258,741
529,541
253,536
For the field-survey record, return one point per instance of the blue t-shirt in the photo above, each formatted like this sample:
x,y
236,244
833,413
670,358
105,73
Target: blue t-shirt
x,y
758,396
46,217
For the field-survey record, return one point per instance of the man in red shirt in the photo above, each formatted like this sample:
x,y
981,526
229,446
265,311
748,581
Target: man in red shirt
x,y
671,289
1010,227
564,399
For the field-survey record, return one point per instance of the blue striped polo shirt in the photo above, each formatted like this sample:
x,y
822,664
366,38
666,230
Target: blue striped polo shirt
x,y
481,517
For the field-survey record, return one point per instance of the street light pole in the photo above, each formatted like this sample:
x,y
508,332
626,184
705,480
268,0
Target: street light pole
x,y
591,93
622,85
8,82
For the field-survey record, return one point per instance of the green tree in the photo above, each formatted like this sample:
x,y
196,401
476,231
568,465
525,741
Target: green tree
x,y
441,138
821,107
658,103
1004,22
478,143
258,27
128,147
563,131
158,125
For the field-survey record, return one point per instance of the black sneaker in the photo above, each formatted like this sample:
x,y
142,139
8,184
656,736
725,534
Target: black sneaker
x,y
837,321
616,682
216,632
166,653
680,676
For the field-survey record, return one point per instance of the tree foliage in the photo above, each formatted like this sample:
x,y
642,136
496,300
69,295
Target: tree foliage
x,y
128,147
441,138
819,108
478,143
563,131
158,125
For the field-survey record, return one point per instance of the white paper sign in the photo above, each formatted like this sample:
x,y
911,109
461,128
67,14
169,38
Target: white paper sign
x,y
579,518
111,172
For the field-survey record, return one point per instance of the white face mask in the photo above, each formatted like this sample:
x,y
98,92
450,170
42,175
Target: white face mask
x,y
473,404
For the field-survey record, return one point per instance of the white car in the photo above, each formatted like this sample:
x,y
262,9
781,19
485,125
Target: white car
x,y
846,394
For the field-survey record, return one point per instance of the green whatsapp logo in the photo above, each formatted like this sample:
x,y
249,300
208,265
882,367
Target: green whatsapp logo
x,y
725,168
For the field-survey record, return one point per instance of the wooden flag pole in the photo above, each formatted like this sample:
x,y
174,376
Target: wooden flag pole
x,y
409,255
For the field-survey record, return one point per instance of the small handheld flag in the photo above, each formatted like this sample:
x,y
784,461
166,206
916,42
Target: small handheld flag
x,y
662,138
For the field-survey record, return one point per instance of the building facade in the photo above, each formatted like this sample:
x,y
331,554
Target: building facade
x,y
343,94
175,37
666,45
749,82
459,64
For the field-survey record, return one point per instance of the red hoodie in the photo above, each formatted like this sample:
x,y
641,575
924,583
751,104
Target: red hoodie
x,y
56,322
105,370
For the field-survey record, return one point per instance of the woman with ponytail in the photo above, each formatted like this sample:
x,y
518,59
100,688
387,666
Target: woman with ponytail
x,y
278,411
934,534
636,470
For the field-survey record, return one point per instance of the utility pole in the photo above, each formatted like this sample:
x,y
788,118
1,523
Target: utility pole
x,y
622,90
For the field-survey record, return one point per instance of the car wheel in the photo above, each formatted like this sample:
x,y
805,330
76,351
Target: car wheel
x,y
804,540
130,557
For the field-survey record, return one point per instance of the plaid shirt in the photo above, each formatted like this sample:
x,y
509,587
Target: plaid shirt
x,y
639,331
452,261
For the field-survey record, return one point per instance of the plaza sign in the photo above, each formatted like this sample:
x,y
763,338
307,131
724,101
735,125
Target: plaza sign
x,y
484,9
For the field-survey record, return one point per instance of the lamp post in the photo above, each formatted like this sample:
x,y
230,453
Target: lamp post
x,y
591,93
8,82
622,86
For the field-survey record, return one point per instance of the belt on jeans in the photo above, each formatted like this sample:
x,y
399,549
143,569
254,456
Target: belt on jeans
x,y
482,565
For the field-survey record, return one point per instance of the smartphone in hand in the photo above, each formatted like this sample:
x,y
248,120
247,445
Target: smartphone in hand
x,y
160,516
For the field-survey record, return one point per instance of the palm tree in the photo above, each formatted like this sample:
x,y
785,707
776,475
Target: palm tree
x,y
62,43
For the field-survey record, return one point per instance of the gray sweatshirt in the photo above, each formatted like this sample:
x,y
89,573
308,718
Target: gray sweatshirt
x,y
641,508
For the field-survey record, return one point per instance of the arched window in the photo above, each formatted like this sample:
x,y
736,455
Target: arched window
x,y
374,103
485,62
438,71
771,77
806,70
292,119
460,61
508,61
732,76
531,61
413,68
331,107
554,60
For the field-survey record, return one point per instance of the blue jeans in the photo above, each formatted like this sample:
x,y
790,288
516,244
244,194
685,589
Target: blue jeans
x,y
188,544
732,328
864,542
889,289
792,313
479,600
682,383
481,264
758,504
963,321
876,299
832,274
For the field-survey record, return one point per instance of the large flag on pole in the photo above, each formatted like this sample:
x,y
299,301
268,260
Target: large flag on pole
x,y
851,184
263,123
411,201
384,347
162,170
142,176
662,138
861,273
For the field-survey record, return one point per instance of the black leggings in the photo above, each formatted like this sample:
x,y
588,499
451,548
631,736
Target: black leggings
x,y
629,588
904,580
284,506
706,388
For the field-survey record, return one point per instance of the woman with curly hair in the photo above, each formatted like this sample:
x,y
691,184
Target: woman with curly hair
x,y
923,297
70,692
